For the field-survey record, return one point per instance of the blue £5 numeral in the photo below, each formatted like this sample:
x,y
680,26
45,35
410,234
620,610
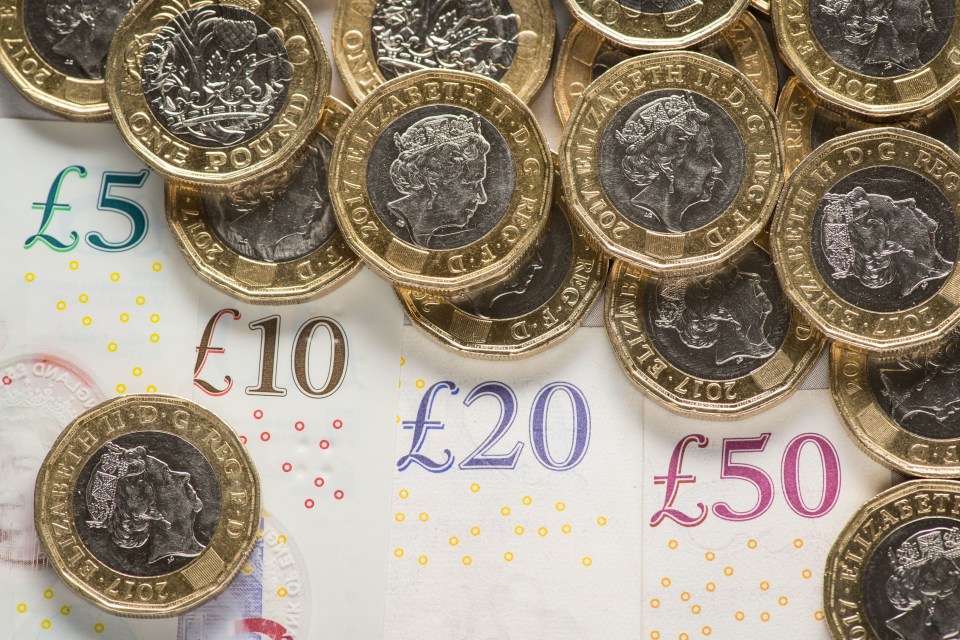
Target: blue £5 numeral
x,y
107,201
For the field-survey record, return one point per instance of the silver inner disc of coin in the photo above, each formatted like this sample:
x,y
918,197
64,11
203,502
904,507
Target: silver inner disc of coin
x,y
216,75
73,36
287,220
882,38
479,36
147,503
911,584
723,325
534,283
441,177
884,239
671,161
920,393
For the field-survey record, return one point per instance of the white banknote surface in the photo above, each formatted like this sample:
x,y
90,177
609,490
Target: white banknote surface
x,y
426,495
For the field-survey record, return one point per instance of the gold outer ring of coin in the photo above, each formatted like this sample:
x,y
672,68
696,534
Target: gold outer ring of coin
x,y
843,576
878,96
685,394
174,592
874,430
525,335
40,82
796,110
582,46
750,209
791,232
447,271
255,281
696,21
356,60
218,166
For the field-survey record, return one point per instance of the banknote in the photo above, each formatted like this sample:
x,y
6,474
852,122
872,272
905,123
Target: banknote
x,y
552,496
96,301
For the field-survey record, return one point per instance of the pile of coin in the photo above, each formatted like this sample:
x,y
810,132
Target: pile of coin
x,y
742,239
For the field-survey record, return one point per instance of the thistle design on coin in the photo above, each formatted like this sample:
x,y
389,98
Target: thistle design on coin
x,y
215,94
161,510
510,41
479,36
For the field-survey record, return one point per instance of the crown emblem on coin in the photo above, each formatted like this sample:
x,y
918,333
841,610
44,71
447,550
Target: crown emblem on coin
x,y
431,132
929,545
113,466
677,110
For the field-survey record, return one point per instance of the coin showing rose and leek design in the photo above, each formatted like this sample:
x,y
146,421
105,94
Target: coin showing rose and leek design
x,y
444,180
147,505
585,55
541,302
723,345
214,94
866,237
55,51
672,161
894,571
876,59
273,240
657,25
902,409
506,40
808,122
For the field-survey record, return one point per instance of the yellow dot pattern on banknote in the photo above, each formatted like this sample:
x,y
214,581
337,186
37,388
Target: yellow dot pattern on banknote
x,y
119,311
694,599
43,611
527,518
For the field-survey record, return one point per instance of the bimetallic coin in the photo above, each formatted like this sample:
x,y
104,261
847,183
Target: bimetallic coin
x,y
880,60
657,25
506,40
807,122
443,180
894,571
902,410
147,505
54,52
585,55
539,304
215,94
866,237
723,345
274,240
672,161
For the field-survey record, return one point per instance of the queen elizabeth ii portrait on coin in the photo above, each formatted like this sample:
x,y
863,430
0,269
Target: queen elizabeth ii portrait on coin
x,y
139,501
672,175
924,585
873,240
440,172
